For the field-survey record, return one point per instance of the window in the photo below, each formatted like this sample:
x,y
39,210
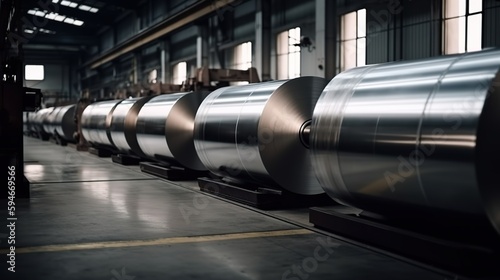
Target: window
x,y
153,76
288,52
179,73
462,24
353,39
242,59
34,72
242,56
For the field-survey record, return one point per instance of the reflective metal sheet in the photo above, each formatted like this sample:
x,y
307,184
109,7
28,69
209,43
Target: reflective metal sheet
x,y
96,120
165,127
252,133
64,122
399,137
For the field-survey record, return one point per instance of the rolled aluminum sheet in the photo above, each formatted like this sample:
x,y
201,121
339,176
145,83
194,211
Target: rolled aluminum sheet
x,y
123,123
165,126
413,137
64,122
253,133
40,118
49,124
96,121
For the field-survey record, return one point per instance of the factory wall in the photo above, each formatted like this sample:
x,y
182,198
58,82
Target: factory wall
x,y
396,30
61,80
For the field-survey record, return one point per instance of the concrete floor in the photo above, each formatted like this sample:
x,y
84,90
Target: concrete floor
x,y
89,218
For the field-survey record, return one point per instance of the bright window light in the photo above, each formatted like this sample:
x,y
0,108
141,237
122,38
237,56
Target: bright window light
x,y
353,39
179,73
462,26
288,54
34,72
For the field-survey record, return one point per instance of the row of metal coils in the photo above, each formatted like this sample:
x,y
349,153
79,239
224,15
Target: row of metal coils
x,y
396,139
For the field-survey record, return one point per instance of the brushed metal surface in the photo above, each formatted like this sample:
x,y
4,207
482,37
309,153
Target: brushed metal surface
x,y
64,122
39,119
165,126
404,136
50,120
96,120
252,133
117,124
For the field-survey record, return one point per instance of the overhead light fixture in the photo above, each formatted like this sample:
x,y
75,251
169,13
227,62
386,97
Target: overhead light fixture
x,y
78,22
55,1
84,8
65,2
39,13
59,18
31,12
51,16
69,20
73,5
87,8
29,31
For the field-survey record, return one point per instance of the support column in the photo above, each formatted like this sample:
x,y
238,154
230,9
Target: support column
x,y
326,35
202,46
164,62
262,54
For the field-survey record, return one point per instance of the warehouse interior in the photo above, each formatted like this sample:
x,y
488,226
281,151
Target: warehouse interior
x,y
250,139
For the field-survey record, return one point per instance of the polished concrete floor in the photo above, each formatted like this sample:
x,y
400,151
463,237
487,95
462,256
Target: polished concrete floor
x,y
89,218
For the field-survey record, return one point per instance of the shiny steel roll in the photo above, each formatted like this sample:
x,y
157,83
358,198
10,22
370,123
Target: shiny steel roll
x,y
49,124
96,120
64,122
410,138
165,127
257,133
123,123
40,119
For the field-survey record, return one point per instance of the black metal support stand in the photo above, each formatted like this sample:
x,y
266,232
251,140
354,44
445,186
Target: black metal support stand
x,y
100,152
261,197
14,99
170,172
427,246
125,159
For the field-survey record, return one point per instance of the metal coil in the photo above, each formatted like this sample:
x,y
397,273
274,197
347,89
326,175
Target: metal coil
x,y
39,120
96,121
413,137
257,133
164,128
64,122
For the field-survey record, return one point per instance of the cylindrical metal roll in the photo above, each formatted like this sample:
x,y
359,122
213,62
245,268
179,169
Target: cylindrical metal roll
x,y
64,122
49,124
96,121
257,133
165,127
413,137
123,123
40,119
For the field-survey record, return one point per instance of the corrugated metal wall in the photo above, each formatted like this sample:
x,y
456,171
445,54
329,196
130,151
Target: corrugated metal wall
x,y
491,21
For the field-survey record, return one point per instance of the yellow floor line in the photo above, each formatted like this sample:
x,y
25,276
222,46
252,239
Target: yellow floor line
x,y
153,242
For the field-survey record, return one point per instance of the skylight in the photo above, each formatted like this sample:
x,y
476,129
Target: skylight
x,y
56,16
